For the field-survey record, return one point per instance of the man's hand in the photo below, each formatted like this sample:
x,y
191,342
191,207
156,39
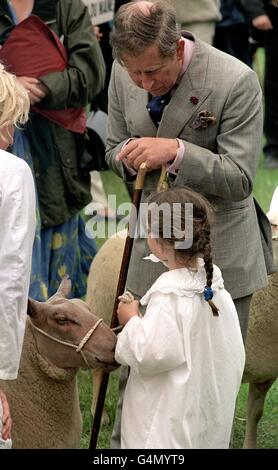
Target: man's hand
x,y
154,151
127,311
37,90
7,420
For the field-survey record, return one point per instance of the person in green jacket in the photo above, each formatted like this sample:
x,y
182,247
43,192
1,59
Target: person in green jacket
x,y
53,152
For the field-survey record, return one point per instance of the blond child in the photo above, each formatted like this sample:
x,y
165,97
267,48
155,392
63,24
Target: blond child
x,y
17,229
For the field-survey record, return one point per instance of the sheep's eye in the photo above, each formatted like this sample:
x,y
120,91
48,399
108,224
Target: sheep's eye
x,y
61,320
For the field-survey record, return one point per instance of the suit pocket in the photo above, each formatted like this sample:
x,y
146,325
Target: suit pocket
x,y
230,207
201,137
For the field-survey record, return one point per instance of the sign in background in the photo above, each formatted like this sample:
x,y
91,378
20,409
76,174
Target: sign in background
x,y
100,11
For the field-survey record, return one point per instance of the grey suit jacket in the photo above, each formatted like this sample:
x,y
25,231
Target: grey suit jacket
x,y
220,162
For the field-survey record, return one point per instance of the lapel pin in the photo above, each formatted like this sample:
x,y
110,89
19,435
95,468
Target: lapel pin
x,y
194,100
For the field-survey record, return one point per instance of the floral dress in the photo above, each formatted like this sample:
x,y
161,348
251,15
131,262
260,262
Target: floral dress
x,y
54,251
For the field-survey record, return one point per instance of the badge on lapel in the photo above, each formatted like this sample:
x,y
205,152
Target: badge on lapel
x,y
194,99
204,119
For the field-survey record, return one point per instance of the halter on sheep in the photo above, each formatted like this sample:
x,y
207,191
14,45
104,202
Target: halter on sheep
x,y
70,345
70,323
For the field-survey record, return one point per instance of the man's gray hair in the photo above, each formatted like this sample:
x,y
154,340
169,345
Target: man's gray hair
x,y
138,26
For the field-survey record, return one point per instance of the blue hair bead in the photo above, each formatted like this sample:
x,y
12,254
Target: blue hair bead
x,y
208,293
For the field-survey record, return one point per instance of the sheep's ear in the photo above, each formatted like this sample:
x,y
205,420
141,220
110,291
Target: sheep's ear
x,y
63,290
34,308
65,287
29,308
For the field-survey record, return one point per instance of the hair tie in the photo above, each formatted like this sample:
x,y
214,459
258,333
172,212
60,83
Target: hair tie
x,y
208,293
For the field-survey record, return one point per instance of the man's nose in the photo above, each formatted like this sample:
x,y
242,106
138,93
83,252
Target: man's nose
x,y
147,83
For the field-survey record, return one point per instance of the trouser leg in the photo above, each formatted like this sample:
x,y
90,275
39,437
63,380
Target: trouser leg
x,y
242,306
271,94
116,433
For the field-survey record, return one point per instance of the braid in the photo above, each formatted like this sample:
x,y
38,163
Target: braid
x,y
209,270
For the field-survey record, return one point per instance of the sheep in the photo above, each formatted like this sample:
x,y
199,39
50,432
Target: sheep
x,y
44,398
261,368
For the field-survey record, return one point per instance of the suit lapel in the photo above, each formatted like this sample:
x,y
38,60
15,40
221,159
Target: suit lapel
x,y
138,99
181,109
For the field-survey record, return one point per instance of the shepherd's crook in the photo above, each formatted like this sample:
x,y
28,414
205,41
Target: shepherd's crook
x,y
139,184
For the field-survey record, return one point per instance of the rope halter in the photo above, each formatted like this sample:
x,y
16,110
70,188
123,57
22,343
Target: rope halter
x,y
71,345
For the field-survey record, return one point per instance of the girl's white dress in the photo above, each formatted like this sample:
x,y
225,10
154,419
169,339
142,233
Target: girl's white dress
x,y
17,231
186,365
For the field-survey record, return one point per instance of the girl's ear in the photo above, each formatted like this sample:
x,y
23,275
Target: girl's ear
x,y
166,253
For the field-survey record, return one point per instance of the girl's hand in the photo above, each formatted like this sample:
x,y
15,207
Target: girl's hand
x,y
7,420
127,311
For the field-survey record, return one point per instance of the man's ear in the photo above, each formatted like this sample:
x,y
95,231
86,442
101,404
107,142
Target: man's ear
x,y
180,49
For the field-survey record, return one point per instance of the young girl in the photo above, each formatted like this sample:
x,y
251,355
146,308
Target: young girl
x,y
186,355
17,230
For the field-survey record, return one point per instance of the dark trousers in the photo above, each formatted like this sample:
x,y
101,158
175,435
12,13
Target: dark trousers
x,y
234,40
271,92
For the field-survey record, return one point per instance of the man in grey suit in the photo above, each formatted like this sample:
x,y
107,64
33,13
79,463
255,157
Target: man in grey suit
x,y
209,138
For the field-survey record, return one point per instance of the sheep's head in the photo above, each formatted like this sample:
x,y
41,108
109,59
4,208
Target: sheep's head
x,y
60,320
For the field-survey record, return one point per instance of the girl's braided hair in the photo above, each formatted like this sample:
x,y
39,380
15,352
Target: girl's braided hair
x,y
177,204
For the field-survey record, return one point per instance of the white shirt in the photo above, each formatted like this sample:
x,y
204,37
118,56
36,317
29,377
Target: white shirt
x,y
186,365
17,229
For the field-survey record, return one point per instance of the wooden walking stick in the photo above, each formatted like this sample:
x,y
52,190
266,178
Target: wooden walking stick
x,y
139,184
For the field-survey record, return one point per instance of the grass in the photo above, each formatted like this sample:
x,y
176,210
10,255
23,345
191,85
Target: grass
x,y
267,430
85,393
265,183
